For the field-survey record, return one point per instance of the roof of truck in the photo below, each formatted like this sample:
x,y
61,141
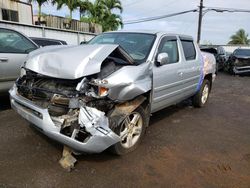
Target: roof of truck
x,y
158,32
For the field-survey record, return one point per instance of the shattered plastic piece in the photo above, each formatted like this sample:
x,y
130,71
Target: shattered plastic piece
x,y
92,118
67,161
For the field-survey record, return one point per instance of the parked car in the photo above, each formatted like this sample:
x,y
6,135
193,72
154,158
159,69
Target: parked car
x,y
238,62
100,95
219,53
14,47
47,42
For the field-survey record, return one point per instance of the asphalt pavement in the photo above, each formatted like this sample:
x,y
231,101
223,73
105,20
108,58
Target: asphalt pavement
x,y
183,147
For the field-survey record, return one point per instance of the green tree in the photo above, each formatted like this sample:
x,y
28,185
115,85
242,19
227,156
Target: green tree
x,y
111,21
112,5
71,4
40,3
94,12
240,37
102,12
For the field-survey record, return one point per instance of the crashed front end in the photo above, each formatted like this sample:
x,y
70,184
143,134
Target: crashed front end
x,y
241,65
82,111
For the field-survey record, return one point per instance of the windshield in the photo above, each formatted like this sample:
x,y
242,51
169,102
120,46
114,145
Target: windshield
x,y
137,45
242,52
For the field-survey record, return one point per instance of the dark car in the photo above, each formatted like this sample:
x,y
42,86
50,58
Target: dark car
x,y
238,62
219,53
47,42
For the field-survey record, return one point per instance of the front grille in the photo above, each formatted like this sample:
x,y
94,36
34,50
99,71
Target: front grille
x,y
47,92
242,62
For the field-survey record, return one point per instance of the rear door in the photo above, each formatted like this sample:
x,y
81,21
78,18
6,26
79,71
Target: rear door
x,y
167,79
192,67
14,48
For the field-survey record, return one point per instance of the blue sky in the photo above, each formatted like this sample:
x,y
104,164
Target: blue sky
x,y
216,27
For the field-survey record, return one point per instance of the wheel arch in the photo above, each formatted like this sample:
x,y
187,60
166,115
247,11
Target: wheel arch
x,y
209,77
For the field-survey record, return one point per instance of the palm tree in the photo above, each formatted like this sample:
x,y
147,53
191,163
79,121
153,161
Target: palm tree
x,y
111,5
71,4
40,3
240,37
93,12
83,7
111,21
100,12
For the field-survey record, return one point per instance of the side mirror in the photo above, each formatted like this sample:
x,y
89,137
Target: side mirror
x,y
162,59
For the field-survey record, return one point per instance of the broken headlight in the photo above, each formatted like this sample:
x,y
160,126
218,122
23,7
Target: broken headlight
x,y
22,72
102,91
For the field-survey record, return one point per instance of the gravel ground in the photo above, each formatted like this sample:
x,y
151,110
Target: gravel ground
x,y
183,147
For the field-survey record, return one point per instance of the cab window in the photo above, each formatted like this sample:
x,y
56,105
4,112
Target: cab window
x,y
189,49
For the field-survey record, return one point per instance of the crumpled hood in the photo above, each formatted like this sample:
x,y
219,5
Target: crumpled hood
x,y
69,62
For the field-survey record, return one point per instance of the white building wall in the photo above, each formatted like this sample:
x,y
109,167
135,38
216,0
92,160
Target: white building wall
x,y
24,10
71,37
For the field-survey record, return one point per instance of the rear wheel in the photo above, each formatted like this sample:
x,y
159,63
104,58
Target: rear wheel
x,y
201,97
131,131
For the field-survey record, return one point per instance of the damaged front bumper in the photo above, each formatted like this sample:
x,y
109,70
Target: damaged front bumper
x,y
241,70
100,138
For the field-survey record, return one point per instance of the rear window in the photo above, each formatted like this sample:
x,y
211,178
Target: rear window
x,y
242,52
189,49
41,42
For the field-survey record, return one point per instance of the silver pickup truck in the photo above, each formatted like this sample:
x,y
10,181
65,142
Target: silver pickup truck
x,y
100,95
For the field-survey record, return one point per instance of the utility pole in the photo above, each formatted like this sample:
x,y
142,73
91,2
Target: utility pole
x,y
200,22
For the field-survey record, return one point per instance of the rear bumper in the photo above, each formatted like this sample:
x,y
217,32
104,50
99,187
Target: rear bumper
x,y
41,119
241,70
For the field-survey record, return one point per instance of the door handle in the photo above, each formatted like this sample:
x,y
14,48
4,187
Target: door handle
x,y
3,59
180,73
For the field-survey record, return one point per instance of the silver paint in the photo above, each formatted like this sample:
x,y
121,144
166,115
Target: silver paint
x,y
69,62
129,82
98,142
168,84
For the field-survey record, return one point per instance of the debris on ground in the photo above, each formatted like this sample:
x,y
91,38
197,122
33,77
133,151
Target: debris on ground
x,y
67,161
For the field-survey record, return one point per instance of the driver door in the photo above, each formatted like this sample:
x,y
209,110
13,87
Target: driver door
x,y
167,79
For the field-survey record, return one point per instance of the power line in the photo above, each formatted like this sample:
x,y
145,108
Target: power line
x,y
158,17
216,9
232,10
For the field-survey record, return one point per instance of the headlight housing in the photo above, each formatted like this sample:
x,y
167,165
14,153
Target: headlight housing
x,y
102,91
22,72
237,61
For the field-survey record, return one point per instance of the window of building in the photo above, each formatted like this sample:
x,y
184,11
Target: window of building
x,y
10,15
189,49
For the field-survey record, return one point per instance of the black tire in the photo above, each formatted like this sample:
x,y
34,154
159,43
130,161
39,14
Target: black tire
x,y
197,98
118,148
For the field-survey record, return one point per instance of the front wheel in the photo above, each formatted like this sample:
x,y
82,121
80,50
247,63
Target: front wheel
x,y
201,97
131,131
